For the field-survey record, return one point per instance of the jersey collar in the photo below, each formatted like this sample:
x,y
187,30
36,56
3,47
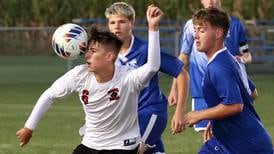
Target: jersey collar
x,y
215,54
121,56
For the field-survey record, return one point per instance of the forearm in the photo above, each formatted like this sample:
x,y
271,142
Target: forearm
x,y
154,59
173,88
41,107
147,71
220,111
182,82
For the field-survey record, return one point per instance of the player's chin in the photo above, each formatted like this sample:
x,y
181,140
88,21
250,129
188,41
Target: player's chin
x,y
199,48
89,66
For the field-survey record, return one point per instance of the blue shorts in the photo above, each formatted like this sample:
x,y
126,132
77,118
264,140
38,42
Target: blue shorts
x,y
152,127
199,104
213,146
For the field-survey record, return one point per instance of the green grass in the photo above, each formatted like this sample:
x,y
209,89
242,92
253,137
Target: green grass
x,y
23,79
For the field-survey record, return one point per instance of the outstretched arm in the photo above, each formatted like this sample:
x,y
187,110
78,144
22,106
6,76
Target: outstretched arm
x,y
147,71
42,105
61,87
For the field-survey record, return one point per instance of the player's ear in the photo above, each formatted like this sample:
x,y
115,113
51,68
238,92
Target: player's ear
x,y
219,33
111,56
132,24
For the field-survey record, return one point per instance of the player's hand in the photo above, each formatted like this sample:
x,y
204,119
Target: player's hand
x,y
172,98
142,148
208,134
177,123
191,118
154,15
239,59
24,135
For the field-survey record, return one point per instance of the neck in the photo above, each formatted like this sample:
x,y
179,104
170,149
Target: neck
x,y
213,50
125,45
105,75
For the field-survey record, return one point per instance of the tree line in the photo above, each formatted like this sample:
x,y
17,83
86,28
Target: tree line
x,y
56,12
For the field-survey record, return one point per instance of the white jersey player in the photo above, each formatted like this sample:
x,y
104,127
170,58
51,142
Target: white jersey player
x,y
108,93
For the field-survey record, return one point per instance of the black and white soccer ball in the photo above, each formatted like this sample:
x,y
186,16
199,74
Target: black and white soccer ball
x,y
69,41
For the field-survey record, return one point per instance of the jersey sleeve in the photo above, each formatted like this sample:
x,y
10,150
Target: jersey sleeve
x,y
187,38
242,37
63,86
170,65
142,75
226,85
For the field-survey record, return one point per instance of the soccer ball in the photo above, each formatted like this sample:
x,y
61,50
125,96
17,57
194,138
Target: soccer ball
x,y
69,41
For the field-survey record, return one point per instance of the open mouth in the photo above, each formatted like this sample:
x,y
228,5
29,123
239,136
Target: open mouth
x,y
117,33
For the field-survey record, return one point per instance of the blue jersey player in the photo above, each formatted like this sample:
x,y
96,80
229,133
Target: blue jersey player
x,y
235,42
234,121
152,106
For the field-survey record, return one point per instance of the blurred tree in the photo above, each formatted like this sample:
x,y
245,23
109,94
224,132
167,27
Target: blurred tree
x,y
264,9
56,12
237,9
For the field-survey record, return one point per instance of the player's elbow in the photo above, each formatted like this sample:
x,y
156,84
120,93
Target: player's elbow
x,y
155,67
254,94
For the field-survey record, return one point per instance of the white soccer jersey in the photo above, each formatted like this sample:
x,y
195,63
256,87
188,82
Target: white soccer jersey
x,y
111,107
111,121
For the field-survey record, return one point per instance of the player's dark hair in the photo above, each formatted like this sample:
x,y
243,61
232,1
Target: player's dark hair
x,y
215,17
105,38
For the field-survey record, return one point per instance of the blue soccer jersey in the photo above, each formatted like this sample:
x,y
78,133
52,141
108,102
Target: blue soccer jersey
x,y
241,133
151,96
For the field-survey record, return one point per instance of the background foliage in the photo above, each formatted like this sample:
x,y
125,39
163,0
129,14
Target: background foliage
x,y
56,12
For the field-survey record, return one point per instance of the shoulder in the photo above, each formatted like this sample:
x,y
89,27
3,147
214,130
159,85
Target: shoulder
x,y
235,21
221,63
122,69
80,68
122,72
188,24
139,41
139,44
79,71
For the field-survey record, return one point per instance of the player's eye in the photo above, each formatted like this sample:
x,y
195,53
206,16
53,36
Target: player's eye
x,y
112,22
123,21
91,50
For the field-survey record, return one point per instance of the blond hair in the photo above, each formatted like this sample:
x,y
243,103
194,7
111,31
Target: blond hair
x,y
121,8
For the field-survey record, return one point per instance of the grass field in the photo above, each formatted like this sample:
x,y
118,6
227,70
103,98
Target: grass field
x,y
23,79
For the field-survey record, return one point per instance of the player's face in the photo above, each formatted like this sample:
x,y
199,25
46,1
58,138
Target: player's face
x,y
211,3
121,26
205,36
97,57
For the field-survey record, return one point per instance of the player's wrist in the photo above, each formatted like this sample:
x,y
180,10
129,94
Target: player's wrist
x,y
154,27
242,60
28,130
